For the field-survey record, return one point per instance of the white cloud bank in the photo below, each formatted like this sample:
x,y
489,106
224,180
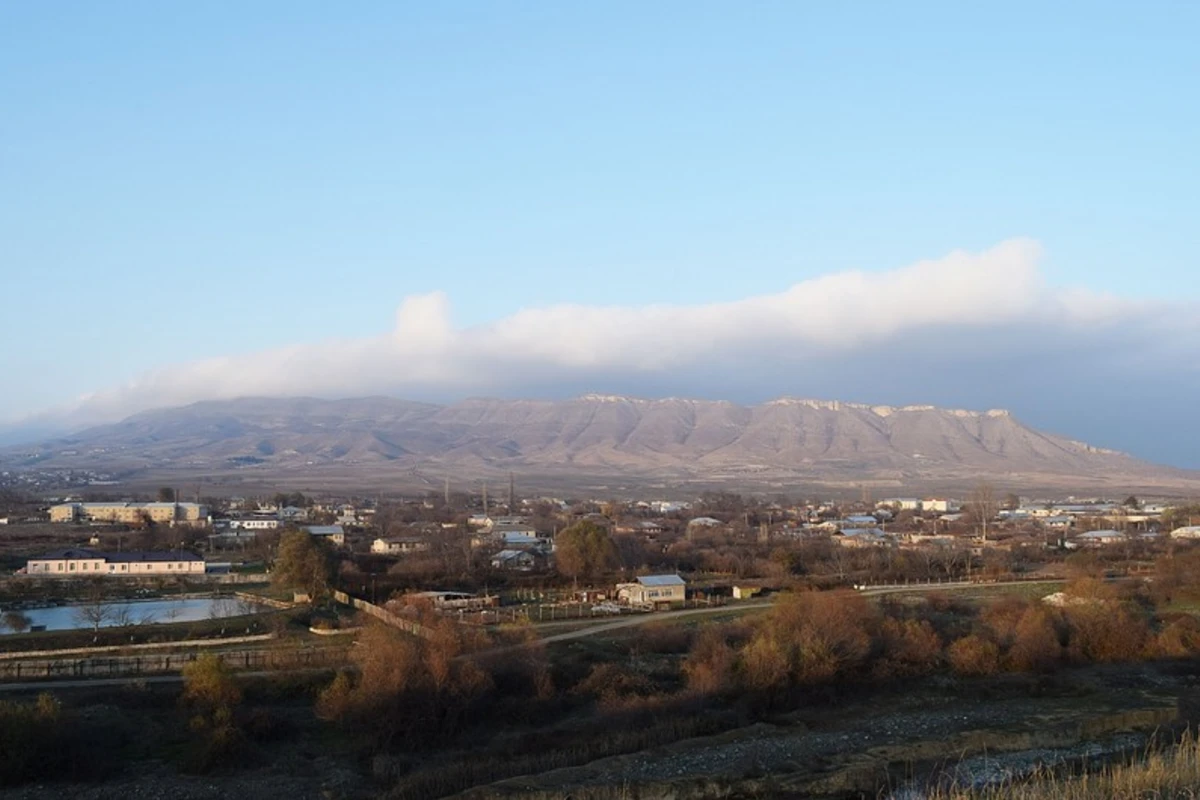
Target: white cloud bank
x,y
971,313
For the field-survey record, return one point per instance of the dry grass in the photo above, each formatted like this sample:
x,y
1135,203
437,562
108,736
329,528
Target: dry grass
x,y
1172,774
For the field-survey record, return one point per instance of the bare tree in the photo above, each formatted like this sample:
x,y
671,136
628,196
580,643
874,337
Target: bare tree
x,y
95,611
16,621
123,616
983,506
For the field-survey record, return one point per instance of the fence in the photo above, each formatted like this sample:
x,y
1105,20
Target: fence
x,y
955,582
551,612
383,615
165,663
127,648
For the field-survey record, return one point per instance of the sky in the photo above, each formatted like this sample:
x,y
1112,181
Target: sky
x,y
964,204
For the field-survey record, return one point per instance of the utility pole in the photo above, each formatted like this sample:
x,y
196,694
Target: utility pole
x,y
485,508
512,493
447,491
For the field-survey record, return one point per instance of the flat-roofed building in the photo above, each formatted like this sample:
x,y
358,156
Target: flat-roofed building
x,y
131,513
82,562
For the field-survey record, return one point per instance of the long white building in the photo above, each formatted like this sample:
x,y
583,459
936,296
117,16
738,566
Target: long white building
x,y
132,513
81,562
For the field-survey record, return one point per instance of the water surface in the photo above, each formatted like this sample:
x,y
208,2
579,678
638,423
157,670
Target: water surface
x,y
83,616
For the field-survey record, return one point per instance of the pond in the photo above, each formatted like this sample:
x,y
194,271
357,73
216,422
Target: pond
x,y
83,616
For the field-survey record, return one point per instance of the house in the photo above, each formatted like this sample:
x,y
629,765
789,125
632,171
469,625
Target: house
x,y
480,521
517,560
81,562
399,545
742,592
655,590
228,538
939,505
1186,532
861,520
648,528
644,527
334,534
501,529
705,522
903,503
520,540
1058,522
255,524
1098,538
861,537
292,514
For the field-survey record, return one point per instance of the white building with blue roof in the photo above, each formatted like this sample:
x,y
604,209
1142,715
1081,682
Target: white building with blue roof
x,y
653,590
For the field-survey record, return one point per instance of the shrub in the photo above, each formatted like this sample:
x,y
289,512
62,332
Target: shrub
x,y
418,691
1035,646
813,636
1179,638
40,741
662,637
974,655
1106,631
910,647
613,681
709,667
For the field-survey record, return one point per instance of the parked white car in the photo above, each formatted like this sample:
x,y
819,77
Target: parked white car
x,y
607,608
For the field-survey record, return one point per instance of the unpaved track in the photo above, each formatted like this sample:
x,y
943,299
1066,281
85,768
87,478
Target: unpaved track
x,y
873,591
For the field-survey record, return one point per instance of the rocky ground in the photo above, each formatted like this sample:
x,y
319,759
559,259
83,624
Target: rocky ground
x,y
322,779
929,733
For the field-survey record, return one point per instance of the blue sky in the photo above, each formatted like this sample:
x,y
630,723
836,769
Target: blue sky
x,y
228,180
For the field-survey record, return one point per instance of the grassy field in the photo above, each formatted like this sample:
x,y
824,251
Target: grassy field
x,y
1173,774
983,592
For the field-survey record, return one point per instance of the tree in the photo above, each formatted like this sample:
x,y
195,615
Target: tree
x,y
1132,502
585,549
166,494
209,685
210,690
710,664
16,621
304,564
95,611
982,505
417,690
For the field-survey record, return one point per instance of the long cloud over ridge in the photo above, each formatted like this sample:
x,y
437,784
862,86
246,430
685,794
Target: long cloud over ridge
x,y
910,329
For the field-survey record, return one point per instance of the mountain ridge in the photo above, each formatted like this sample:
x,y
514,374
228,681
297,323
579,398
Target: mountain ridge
x,y
788,438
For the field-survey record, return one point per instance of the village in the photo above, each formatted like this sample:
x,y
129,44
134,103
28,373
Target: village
x,y
719,545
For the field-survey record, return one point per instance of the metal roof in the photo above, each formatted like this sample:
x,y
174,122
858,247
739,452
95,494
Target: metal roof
x,y
73,553
130,556
661,580
144,556
506,555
